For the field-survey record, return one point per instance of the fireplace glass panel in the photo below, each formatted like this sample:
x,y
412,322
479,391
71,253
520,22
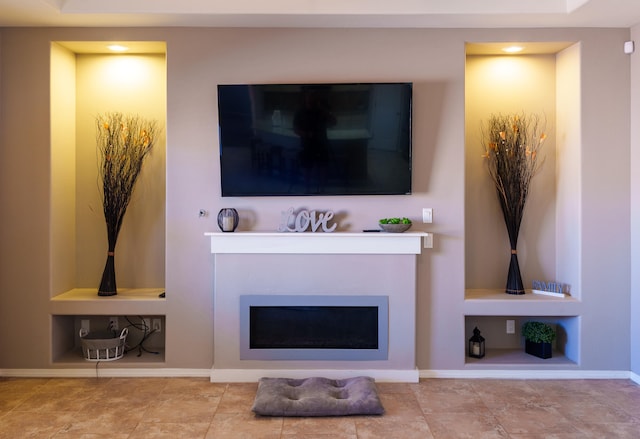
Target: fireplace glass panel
x,y
313,327
284,327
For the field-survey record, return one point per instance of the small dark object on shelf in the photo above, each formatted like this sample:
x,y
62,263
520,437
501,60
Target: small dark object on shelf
x,y
162,295
538,338
476,344
540,350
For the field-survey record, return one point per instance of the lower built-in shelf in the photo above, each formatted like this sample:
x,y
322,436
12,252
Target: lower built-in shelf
x,y
518,359
74,357
489,309
144,347
79,306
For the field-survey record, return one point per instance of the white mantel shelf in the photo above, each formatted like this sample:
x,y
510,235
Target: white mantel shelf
x,y
319,243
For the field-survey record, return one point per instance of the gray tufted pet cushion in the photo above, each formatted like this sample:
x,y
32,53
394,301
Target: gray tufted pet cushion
x,y
317,397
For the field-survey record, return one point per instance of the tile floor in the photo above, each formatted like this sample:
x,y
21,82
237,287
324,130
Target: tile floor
x,y
132,408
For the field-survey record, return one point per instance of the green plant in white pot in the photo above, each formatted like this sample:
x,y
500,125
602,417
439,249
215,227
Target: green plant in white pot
x,y
538,338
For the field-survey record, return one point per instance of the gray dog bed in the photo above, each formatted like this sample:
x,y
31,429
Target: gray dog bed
x,y
317,397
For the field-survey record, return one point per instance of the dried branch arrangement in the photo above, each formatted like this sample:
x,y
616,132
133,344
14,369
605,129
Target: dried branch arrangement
x,y
124,141
511,146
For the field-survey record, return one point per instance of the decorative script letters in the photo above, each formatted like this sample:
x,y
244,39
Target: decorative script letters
x,y
292,221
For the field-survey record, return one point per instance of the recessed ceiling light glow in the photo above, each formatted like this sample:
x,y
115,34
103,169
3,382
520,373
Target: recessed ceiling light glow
x,y
117,48
513,49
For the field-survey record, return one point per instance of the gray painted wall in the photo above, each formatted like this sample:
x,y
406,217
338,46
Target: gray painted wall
x,y
198,59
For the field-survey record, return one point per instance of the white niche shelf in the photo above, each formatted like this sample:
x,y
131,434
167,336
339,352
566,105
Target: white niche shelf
x,y
319,243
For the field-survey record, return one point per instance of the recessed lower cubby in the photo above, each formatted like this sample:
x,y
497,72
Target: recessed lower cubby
x,y
507,350
145,341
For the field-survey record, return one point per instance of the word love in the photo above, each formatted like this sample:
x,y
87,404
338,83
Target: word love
x,y
300,221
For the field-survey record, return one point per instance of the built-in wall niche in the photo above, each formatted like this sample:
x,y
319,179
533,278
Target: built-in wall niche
x,y
87,80
145,341
544,78
504,349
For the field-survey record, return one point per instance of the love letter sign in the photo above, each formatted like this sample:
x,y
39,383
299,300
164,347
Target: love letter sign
x,y
300,221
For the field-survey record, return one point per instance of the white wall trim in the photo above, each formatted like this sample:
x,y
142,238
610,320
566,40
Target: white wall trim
x,y
246,375
527,374
104,373
253,375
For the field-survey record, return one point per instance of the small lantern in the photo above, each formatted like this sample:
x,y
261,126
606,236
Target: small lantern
x,y
476,344
228,219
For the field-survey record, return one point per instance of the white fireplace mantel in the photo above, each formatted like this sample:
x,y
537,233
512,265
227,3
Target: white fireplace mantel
x,y
319,243
267,256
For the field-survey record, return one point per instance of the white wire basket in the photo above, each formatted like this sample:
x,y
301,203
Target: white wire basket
x,y
101,347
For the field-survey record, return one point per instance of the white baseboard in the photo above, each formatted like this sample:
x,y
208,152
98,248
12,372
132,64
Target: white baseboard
x,y
105,373
253,375
527,374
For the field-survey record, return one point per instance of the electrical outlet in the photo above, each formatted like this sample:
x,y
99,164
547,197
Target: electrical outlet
x,y
156,325
85,324
113,323
511,326
147,324
428,240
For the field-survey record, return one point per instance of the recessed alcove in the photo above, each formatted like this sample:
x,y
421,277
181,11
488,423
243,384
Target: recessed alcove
x,y
543,79
144,346
507,350
88,80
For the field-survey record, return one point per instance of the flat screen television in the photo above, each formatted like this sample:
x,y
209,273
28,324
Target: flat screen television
x,y
315,139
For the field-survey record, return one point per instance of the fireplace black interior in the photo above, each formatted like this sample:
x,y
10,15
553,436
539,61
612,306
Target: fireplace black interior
x,y
313,327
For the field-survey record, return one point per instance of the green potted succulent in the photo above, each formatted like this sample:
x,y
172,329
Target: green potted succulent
x,y
538,338
395,225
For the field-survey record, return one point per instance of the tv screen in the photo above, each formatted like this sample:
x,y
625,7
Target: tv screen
x,y
315,139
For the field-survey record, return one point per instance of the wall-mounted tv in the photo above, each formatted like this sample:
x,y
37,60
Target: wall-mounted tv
x,y
315,139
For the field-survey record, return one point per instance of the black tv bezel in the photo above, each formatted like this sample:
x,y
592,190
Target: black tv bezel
x,y
409,84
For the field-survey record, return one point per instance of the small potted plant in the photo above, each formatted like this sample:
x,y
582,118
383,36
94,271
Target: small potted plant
x,y
395,225
538,338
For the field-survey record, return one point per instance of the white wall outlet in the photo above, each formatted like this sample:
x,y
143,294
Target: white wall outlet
x,y
113,323
511,326
85,324
428,240
147,324
156,325
427,215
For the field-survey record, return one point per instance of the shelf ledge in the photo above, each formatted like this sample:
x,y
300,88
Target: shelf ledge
x,y
319,243
124,294
128,301
500,295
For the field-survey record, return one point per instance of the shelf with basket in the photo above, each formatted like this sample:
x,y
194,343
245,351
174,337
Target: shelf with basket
x,y
131,339
140,310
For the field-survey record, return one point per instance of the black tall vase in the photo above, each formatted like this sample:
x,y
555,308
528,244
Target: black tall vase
x,y
108,282
514,279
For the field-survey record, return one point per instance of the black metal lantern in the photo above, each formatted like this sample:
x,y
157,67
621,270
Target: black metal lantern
x,y
228,219
476,344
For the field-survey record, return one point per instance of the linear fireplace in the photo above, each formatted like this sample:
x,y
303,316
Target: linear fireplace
x,y
327,276
303,327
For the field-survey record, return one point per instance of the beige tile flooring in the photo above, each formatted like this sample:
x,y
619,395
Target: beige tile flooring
x,y
132,408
